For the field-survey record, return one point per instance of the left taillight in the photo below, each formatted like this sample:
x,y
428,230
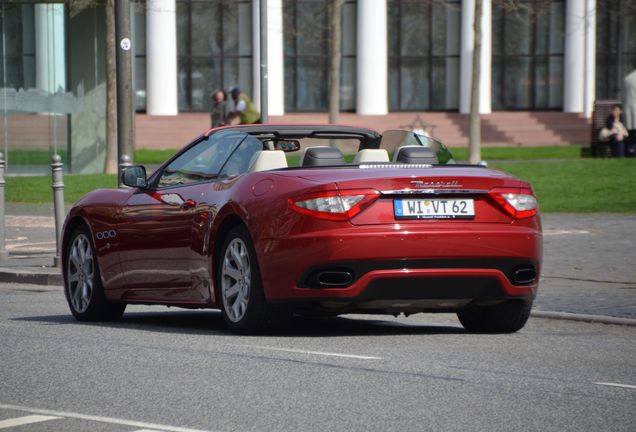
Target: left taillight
x,y
518,203
334,205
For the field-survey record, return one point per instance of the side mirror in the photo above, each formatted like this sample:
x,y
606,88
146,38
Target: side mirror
x,y
134,176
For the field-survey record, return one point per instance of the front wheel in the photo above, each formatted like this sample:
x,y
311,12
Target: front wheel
x,y
507,317
82,281
242,300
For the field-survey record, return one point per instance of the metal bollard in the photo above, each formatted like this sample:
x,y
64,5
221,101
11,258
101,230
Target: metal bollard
x,y
124,162
57,173
4,255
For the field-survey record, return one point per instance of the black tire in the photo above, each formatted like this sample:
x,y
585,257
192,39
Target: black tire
x,y
83,283
245,311
507,317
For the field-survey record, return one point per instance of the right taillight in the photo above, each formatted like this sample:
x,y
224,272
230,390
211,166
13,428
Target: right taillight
x,y
518,203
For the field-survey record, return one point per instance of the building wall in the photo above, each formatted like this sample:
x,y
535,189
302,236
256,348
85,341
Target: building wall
x,y
398,55
527,53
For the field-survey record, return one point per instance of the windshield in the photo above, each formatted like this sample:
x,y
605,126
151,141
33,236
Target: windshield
x,y
392,140
202,161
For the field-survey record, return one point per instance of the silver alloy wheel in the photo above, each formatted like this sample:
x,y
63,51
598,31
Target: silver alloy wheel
x,y
81,273
235,280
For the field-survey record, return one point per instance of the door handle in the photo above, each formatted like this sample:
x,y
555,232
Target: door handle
x,y
188,204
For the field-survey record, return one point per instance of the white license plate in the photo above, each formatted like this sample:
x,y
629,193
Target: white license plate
x,y
434,208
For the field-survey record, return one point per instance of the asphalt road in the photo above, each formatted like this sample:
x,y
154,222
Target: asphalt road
x,y
166,369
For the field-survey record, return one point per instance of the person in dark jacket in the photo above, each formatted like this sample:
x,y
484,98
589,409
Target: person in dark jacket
x,y
219,108
619,133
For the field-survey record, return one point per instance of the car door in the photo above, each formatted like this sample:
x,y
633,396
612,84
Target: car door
x,y
156,224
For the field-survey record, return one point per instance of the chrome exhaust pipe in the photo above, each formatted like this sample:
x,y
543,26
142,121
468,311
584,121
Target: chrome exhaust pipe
x,y
334,279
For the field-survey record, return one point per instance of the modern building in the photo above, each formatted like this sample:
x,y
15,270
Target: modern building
x,y
397,55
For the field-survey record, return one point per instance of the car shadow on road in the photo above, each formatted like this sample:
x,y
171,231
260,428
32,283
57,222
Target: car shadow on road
x,y
211,323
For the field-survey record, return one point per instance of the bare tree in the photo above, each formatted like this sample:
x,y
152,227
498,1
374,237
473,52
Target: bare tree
x,y
110,162
474,144
335,53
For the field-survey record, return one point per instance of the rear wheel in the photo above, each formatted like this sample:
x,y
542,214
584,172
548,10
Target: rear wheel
x,y
507,317
242,298
83,284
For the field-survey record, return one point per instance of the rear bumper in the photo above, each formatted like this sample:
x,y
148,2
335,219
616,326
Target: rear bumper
x,y
426,266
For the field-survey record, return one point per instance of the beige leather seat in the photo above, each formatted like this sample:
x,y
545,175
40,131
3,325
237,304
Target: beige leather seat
x,y
266,160
371,155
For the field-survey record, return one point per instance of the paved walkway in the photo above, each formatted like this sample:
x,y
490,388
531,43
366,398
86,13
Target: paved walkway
x,y
589,259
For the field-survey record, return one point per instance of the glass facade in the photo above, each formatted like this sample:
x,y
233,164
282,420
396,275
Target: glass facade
x,y
52,86
214,48
306,55
424,49
527,55
615,46
53,63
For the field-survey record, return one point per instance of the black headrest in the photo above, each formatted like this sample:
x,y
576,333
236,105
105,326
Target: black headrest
x,y
417,155
321,156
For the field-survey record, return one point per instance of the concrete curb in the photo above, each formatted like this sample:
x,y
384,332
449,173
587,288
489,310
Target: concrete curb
x,y
599,319
44,277
53,277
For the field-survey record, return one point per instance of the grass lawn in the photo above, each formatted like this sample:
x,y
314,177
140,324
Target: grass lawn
x,y
155,157
37,189
571,185
33,157
580,185
148,156
521,153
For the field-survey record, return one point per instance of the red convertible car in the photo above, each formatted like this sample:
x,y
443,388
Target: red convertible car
x,y
267,221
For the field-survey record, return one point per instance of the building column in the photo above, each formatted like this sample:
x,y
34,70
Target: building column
x,y
466,57
372,58
50,71
590,58
161,57
575,63
275,58
256,54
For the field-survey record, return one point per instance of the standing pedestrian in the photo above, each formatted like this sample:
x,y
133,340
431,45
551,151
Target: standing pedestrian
x,y
219,108
244,107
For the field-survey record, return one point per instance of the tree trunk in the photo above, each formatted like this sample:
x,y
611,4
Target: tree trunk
x,y
474,145
335,51
110,163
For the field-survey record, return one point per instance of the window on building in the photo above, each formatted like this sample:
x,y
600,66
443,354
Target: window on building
x,y
615,46
527,55
424,48
306,39
17,29
214,49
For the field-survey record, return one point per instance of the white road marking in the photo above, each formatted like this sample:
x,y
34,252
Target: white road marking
x,y
30,221
101,419
551,232
322,353
32,247
146,430
19,421
629,386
